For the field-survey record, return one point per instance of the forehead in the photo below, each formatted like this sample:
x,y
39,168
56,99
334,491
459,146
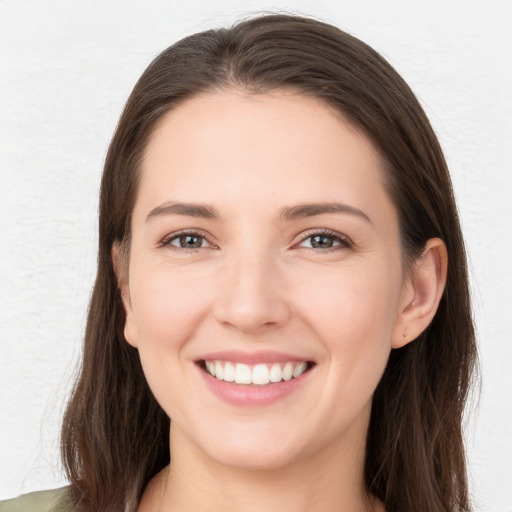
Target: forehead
x,y
278,145
235,116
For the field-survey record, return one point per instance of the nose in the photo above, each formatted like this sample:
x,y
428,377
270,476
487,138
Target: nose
x,y
252,296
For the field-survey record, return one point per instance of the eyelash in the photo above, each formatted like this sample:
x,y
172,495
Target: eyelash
x,y
344,242
166,242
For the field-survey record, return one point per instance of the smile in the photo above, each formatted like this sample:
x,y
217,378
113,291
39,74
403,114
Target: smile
x,y
260,374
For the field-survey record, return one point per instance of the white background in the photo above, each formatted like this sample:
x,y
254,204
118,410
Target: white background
x,y
66,69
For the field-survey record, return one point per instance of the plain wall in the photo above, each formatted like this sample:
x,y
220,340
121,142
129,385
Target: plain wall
x,y
66,70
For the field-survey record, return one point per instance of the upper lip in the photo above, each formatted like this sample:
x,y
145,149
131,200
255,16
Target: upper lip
x,y
266,356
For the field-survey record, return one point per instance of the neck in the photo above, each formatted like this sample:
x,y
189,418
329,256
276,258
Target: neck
x,y
323,482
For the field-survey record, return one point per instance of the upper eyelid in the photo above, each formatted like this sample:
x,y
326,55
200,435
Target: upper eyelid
x,y
326,232
183,232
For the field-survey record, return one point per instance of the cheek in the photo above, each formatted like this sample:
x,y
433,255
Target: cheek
x,y
166,309
353,307
166,305
353,314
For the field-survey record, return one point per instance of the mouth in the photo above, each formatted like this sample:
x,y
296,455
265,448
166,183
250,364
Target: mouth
x,y
260,374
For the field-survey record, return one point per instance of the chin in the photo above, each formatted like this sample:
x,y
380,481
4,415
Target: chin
x,y
255,453
255,460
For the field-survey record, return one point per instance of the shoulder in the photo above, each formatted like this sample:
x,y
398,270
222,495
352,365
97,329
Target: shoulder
x,y
54,500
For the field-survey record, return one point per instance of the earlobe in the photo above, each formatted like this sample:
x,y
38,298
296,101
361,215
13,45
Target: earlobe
x,y
122,283
425,288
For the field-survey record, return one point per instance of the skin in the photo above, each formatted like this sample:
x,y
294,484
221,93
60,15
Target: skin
x,y
257,282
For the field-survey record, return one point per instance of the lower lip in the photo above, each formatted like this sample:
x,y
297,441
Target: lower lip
x,y
243,395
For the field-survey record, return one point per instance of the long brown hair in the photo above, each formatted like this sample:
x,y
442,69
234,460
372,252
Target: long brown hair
x,y
115,435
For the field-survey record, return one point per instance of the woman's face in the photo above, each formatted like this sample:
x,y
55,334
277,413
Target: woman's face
x,y
264,245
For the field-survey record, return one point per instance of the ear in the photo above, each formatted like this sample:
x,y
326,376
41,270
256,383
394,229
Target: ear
x,y
122,282
422,293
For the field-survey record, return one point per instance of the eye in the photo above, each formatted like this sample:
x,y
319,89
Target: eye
x,y
325,240
186,240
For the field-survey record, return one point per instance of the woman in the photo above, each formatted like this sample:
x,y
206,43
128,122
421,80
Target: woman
x,y
282,274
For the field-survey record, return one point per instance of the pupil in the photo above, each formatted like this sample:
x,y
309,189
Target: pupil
x,y
190,241
319,241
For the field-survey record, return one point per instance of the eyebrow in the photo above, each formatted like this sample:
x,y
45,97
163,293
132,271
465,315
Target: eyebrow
x,y
188,209
311,209
299,211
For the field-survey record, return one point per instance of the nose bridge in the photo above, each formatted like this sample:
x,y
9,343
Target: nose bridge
x,y
251,296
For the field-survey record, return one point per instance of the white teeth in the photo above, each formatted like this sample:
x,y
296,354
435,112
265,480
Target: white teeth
x,y
219,370
229,372
242,374
288,371
276,373
260,374
298,370
210,366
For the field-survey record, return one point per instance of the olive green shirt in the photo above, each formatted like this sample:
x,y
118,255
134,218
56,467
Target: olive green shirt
x,y
56,500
